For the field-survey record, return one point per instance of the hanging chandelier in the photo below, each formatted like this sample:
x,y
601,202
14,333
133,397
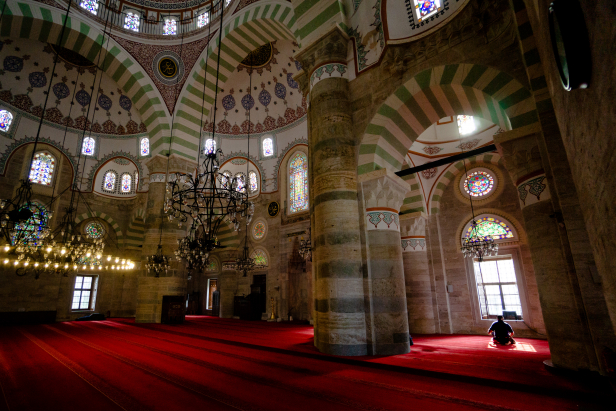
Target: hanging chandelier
x,y
245,263
478,246
206,198
158,262
305,248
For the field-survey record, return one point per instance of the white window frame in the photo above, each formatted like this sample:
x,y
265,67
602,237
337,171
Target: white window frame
x,y
506,257
92,293
53,173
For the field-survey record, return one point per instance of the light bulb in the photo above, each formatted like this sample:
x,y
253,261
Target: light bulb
x,y
7,248
108,258
6,261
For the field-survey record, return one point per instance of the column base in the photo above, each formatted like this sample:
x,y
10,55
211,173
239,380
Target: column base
x,y
344,350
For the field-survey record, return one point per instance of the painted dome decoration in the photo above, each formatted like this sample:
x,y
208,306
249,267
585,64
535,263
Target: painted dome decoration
x,y
261,58
61,90
228,101
13,64
38,78
104,102
248,102
125,102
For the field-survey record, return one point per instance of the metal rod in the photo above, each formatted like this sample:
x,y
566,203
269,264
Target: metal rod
x,y
446,160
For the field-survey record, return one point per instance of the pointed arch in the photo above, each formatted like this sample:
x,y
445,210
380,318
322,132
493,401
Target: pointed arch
x,y
103,216
436,93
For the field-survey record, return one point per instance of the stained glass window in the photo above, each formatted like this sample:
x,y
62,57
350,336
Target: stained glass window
x,y
90,5
258,230
144,146
41,171
203,19
131,22
210,146
127,180
31,229
260,257
6,118
268,147
478,183
298,183
254,185
109,181
212,266
466,125
94,230
88,146
170,28
239,181
426,8
491,226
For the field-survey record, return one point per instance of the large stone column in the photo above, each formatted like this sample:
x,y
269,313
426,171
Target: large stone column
x,y
564,320
384,287
417,273
227,287
340,327
151,289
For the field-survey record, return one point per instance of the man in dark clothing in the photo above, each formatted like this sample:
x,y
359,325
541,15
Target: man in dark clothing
x,y
501,332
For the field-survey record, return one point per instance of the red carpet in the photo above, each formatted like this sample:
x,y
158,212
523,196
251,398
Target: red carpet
x,y
210,363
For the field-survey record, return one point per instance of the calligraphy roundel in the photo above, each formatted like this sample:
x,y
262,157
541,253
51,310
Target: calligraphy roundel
x,y
273,209
168,67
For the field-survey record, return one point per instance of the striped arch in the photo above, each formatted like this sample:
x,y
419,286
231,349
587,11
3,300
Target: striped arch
x,y
453,170
252,27
228,237
135,234
112,223
436,93
37,21
413,201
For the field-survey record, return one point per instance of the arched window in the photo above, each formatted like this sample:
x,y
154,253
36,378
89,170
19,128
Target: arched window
x,y
126,183
41,171
268,147
88,146
240,182
131,22
144,146
225,179
212,266
6,118
466,125
298,183
32,229
260,257
109,181
90,5
210,146
492,226
170,28
203,19
254,184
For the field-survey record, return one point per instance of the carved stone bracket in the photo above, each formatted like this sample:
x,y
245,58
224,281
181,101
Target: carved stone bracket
x,y
383,193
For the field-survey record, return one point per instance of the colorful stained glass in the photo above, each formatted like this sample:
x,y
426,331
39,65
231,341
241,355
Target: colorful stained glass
x,y
88,146
145,146
109,181
94,230
260,257
170,28
41,171
203,19
131,22
212,266
6,118
426,8
490,226
478,183
126,183
240,185
210,146
254,185
258,230
90,5
31,230
268,147
298,183
466,125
